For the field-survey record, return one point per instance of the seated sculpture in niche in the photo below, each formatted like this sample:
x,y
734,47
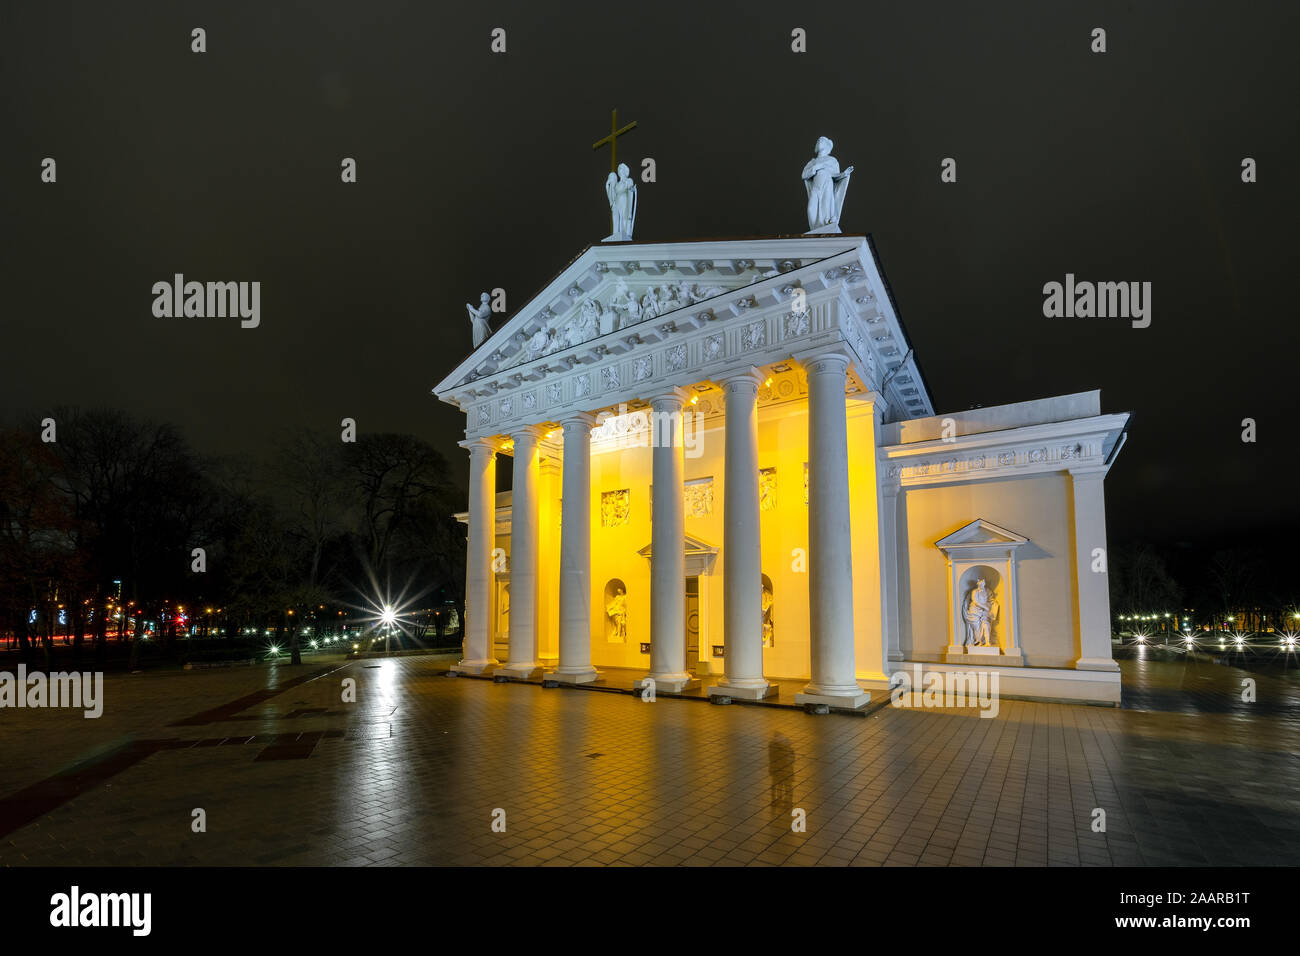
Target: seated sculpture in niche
x,y
980,612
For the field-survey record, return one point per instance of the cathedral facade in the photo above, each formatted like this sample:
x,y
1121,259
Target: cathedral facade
x,y
727,470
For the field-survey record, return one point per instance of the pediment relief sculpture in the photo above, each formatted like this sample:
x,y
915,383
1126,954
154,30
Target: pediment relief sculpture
x,y
623,308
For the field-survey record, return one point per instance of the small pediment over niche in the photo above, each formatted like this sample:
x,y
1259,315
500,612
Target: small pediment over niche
x,y
700,556
693,546
980,533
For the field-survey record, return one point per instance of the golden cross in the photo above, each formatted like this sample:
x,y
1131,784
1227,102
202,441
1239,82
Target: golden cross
x,y
612,139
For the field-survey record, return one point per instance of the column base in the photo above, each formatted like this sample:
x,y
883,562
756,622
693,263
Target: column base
x,y
579,677
1095,664
671,683
759,691
843,701
474,668
522,671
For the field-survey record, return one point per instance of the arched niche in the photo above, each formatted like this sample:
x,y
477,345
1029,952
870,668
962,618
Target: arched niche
x,y
982,603
769,610
615,610
983,624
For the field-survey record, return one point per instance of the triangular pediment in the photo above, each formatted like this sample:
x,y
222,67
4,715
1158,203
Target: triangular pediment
x,y
619,289
615,303
693,546
980,533
623,320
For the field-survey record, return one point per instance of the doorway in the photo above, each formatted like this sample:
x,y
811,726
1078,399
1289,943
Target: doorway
x,y
692,624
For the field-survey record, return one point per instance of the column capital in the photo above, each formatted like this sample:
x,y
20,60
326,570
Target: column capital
x,y
673,396
833,362
530,434
486,443
577,418
742,378
1086,472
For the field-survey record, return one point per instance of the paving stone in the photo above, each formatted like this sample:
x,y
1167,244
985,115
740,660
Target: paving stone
x,y
412,774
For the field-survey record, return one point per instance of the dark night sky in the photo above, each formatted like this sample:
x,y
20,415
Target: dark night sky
x,y
476,170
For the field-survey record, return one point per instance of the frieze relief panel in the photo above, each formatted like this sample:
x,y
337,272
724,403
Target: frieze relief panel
x,y
767,489
675,358
1033,456
794,324
614,508
753,336
699,497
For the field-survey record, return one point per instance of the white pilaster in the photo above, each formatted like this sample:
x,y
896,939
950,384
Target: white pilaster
x,y
830,551
1093,585
523,556
742,566
668,544
575,554
889,597
477,647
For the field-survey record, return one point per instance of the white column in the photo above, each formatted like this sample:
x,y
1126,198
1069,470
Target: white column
x,y
742,565
1093,586
668,545
575,554
477,625
523,557
830,550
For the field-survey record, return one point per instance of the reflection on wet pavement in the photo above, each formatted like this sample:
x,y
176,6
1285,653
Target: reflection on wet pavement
x,y
414,771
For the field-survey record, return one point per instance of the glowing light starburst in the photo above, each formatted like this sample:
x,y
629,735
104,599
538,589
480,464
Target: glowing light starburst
x,y
385,613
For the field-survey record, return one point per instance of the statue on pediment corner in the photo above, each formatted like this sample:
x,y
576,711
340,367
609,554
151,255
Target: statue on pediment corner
x,y
826,187
479,317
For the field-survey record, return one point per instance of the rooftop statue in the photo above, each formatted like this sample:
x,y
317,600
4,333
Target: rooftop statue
x,y
620,189
826,187
479,319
